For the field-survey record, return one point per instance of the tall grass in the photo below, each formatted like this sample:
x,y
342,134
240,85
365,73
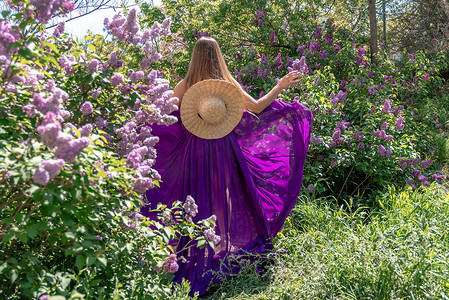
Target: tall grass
x,y
400,251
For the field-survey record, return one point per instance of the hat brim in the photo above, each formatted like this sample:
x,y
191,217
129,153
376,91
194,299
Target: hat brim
x,y
202,91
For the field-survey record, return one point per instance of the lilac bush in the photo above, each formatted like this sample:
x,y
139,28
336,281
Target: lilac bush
x,y
76,155
368,118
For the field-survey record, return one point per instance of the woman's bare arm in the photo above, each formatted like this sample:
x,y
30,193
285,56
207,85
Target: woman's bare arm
x,y
180,90
257,106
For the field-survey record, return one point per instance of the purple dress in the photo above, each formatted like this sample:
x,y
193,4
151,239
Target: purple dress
x,y
250,179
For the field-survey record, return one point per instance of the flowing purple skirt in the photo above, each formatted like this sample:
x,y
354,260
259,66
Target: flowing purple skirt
x,y
250,179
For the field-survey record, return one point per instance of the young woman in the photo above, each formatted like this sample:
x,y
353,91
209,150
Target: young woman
x,y
249,179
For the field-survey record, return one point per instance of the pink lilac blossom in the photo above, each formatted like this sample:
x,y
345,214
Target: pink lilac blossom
x,y
92,66
170,265
142,184
70,150
41,176
8,34
382,151
53,166
438,178
49,133
209,235
190,207
299,65
272,37
59,29
426,163
116,79
87,108
136,76
310,188
29,110
96,92
315,140
399,124
86,130
387,107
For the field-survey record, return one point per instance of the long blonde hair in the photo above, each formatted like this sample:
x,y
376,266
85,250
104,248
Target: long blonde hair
x,y
207,62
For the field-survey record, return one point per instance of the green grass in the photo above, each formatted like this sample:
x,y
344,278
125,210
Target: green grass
x,y
400,251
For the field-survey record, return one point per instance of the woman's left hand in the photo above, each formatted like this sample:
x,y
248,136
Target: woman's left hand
x,y
288,79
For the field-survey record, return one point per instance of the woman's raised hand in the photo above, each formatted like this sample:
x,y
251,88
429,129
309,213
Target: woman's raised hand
x,y
288,79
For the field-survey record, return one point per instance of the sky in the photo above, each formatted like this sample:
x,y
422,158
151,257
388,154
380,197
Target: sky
x,y
92,21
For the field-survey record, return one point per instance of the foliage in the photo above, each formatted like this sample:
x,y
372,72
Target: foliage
x,y
395,252
374,125
75,158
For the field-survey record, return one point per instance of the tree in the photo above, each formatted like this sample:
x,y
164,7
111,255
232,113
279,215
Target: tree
x,y
372,28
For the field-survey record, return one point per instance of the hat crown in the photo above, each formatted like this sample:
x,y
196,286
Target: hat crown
x,y
212,110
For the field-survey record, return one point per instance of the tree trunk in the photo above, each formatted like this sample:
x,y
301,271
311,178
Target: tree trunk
x,y
372,29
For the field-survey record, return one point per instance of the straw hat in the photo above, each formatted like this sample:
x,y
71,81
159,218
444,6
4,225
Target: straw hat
x,y
210,109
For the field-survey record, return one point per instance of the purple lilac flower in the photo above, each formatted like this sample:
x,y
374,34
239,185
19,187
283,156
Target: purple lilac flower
x,y
86,130
92,66
314,46
415,173
209,235
101,123
372,90
411,56
46,8
438,178
142,184
59,29
357,136
299,65
323,54
87,108
382,151
310,188
136,76
170,265
426,163
337,48
315,140
53,167
272,37
361,146
301,49
317,33
387,107
49,133
190,207
399,124
96,92
329,39
116,79
69,151
41,176
29,110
